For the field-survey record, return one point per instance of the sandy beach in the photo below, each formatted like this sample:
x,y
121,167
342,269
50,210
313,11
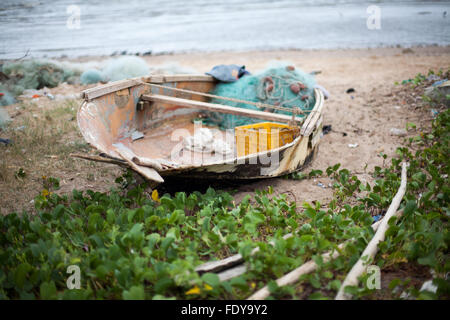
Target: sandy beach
x,y
366,116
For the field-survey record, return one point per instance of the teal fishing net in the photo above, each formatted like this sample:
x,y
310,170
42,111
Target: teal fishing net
x,y
117,69
36,74
284,86
31,74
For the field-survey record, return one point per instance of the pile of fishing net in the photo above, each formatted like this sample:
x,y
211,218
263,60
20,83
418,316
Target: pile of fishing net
x,y
128,67
117,69
32,74
283,86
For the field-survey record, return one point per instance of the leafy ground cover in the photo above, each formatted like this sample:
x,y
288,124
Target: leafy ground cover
x,y
130,245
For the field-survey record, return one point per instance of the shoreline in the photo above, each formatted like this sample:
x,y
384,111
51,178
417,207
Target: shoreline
x,y
149,55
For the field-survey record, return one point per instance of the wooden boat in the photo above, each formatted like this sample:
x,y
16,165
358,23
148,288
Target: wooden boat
x,y
159,108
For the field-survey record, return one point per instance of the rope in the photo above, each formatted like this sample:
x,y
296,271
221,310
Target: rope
x,y
257,104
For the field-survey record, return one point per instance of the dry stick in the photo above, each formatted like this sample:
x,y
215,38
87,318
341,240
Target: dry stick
x,y
372,248
294,275
157,164
305,268
99,159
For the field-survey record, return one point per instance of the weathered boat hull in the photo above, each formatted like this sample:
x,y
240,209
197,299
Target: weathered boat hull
x,y
111,113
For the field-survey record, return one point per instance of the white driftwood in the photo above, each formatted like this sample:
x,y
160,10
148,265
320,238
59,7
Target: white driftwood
x,y
99,159
372,248
216,266
232,273
294,275
305,268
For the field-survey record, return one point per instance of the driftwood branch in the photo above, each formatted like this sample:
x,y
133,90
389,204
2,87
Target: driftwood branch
x,y
99,159
372,248
232,273
294,275
305,268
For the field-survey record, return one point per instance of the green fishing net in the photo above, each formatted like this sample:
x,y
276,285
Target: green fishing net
x,y
283,86
37,74
32,74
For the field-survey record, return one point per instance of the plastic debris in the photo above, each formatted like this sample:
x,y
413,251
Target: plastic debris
x,y
438,83
5,141
352,145
429,286
377,217
228,73
326,129
203,141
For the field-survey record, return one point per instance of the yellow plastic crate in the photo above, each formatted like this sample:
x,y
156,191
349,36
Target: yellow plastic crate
x,y
254,138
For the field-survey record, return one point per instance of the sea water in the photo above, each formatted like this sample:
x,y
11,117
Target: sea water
x,y
73,28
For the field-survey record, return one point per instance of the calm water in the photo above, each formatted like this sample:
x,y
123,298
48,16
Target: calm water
x,y
159,26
